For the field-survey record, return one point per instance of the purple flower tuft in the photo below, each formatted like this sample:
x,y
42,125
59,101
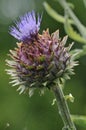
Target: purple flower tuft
x,y
26,28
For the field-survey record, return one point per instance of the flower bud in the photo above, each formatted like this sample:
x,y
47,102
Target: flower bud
x,y
39,59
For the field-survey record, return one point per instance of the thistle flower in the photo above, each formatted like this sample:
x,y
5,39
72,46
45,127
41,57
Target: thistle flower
x,y
26,28
39,59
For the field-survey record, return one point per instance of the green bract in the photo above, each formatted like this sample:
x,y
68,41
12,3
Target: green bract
x,y
40,63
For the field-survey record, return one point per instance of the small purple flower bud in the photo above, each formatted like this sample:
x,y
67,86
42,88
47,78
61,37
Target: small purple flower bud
x,y
42,62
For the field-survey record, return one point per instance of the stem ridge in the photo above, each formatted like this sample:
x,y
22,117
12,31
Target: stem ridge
x,y
63,108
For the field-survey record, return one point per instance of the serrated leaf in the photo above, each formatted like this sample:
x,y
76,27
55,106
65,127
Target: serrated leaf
x,y
72,33
54,14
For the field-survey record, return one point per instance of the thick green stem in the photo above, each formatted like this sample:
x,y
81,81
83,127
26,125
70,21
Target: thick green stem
x,y
63,109
79,25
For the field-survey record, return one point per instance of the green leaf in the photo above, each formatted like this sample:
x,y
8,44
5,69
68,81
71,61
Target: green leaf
x,y
71,5
69,97
79,120
54,14
72,33
84,2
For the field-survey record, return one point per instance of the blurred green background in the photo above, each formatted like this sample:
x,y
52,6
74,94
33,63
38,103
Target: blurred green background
x,y
19,112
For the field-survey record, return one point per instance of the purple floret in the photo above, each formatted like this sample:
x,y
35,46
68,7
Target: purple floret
x,y
26,28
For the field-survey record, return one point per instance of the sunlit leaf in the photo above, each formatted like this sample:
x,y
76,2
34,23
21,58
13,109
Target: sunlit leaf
x,y
54,14
79,120
69,97
71,5
72,33
84,2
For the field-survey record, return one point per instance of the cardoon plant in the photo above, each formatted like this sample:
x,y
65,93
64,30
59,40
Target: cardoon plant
x,y
41,61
